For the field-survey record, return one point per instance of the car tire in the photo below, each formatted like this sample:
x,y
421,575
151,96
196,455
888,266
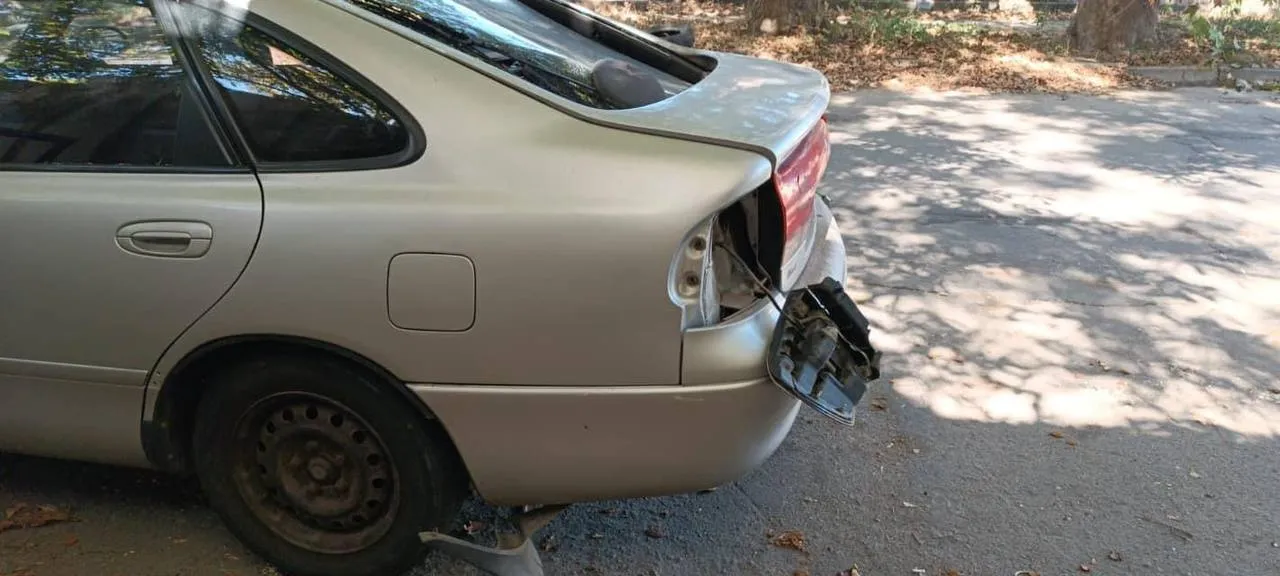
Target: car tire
x,y
322,469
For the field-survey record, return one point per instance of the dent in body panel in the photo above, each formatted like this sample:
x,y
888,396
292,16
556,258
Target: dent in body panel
x,y
572,225
732,350
736,348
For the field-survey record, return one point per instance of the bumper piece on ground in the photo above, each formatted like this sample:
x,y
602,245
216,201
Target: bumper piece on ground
x,y
515,554
821,350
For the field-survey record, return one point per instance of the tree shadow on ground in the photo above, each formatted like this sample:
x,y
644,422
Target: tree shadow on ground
x,y
1101,267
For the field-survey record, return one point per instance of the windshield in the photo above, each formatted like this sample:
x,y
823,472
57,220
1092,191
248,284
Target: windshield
x,y
520,40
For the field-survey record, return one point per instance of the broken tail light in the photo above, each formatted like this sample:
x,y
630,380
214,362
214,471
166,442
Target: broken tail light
x,y
796,181
764,240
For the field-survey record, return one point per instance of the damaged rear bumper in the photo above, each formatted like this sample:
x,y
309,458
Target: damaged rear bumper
x,y
728,415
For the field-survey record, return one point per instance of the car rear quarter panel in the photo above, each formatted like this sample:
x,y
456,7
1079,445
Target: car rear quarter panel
x,y
572,228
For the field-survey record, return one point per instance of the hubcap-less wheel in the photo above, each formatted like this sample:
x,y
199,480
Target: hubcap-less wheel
x,y
315,474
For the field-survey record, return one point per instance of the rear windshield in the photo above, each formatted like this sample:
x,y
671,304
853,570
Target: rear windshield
x,y
542,41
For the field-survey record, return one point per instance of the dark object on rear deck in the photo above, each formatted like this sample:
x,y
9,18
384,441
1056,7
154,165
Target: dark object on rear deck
x,y
679,34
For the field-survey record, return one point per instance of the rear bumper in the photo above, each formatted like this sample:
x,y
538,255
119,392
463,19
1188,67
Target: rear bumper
x,y
536,445
553,445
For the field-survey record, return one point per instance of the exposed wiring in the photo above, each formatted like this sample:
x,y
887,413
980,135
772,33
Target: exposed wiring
x,y
763,286
760,284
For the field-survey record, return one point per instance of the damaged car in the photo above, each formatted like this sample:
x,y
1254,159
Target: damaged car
x,y
351,261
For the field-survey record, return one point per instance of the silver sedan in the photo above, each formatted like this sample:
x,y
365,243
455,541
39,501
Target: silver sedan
x,y
349,261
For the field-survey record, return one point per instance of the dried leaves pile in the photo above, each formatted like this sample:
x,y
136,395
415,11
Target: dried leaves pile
x,y
22,516
901,50
792,539
940,58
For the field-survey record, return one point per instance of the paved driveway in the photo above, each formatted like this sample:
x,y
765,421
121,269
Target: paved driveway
x,y
1080,303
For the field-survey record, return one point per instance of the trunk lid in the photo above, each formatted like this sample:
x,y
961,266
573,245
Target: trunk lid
x,y
750,103
744,102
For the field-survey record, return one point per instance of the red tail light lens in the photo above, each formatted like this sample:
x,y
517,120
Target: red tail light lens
x,y
796,180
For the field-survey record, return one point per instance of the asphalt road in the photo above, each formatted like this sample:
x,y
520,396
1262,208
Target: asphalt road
x,y
1079,301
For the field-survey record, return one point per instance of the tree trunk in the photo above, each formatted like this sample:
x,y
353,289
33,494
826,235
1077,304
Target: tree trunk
x,y
1109,25
774,16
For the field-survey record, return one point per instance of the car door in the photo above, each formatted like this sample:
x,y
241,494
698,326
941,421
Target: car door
x,y
123,218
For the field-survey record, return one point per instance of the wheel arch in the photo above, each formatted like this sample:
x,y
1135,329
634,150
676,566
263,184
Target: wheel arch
x,y
167,427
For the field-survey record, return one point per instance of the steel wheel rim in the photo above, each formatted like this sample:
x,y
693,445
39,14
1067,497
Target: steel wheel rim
x,y
314,473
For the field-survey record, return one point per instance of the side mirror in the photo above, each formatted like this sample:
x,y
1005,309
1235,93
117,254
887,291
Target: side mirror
x,y
681,35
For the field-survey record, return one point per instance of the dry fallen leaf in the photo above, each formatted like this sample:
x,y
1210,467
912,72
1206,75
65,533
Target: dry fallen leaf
x,y
793,539
1056,434
22,516
1114,556
1086,568
880,404
951,572
654,532
853,571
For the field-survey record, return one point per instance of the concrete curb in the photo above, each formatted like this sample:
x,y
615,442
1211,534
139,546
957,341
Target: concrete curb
x,y
1206,75
1179,75
1254,76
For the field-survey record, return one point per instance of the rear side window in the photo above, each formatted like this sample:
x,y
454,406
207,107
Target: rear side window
x,y
550,45
96,84
291,109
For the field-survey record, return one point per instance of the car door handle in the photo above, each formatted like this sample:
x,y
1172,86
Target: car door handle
x,y
169,239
